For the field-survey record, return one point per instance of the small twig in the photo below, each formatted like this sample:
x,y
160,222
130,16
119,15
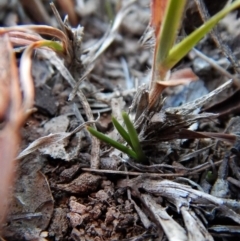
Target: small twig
x,y
95,151
234,181
149,174
142,168
216,36
216,66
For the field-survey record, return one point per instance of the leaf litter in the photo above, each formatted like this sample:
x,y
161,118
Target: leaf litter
x,y
61,193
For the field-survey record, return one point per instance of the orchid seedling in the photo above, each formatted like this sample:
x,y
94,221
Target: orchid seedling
x,y
130,136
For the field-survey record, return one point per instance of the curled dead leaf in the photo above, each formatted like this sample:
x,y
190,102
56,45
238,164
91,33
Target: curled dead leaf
x,y
179,77
15,115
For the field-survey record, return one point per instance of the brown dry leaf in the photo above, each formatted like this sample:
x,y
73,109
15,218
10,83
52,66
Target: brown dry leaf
x,y
46,141
9,135
19,38
157,9
41,29
9,142
31,210
179,77
54,144
5,76
15,117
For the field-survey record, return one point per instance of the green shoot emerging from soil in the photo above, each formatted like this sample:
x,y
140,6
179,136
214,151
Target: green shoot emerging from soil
x,y
166,54
130,136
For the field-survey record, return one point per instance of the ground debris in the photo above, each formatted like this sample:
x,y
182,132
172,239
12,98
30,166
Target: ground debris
x,y
184,199
83,184
59,224
32,204
180,135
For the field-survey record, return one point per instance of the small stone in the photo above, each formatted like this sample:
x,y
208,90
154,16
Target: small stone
x,y
75,219
102,195
77,207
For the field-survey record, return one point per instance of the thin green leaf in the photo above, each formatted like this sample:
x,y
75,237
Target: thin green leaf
x,y
134,138
57,47
111,142
122,131
182,48
169,28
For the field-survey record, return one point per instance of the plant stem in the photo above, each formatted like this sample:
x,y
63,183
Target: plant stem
x,y
182,48
169,28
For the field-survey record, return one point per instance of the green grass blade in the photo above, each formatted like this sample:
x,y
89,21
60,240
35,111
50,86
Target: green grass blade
x,y
169,28
182,48
111,142
57,47
122,131
134,138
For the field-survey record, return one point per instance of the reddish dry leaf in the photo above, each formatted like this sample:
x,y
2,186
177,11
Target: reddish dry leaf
x,y
9,141
40,29
15,116
9,135
179,77
4,77
19,38
157,9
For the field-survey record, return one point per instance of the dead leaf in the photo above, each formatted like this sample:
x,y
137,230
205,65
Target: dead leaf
x,y
5,76
195,229
157,9
32,203
179,77
15,115
172,229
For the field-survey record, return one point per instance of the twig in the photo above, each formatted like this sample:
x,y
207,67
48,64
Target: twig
x,y
217,66
216,36
149,174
